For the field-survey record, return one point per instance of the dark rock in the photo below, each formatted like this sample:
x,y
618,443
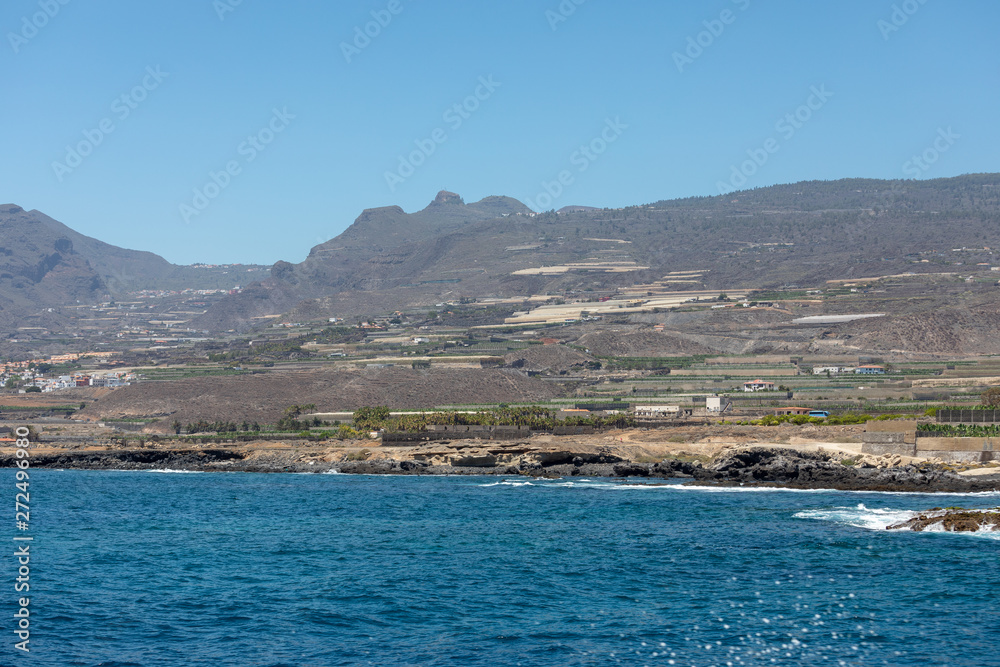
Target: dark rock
x,y
770,466
631,470
954,519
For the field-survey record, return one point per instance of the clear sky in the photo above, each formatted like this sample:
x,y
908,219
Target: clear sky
x,y
117,113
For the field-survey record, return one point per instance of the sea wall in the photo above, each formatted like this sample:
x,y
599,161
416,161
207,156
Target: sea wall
x,y
901,437
895,437
963,450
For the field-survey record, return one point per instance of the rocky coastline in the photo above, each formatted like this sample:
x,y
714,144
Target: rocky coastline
x,y
952,520
759,466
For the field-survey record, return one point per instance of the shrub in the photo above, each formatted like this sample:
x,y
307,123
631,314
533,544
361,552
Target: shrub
x,y
991,397
345,432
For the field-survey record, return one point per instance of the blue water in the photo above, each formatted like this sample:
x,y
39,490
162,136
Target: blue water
x,y
144,568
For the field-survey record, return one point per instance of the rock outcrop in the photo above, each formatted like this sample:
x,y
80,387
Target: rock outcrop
x,y
953,519
772,466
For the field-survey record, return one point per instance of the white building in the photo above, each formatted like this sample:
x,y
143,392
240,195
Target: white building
x,y
758,385
832,370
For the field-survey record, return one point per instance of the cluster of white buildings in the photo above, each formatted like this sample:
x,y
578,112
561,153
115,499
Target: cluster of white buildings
x,y
870,369
27,379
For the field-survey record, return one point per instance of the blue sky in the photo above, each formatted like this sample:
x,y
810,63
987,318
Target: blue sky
x,y
300,131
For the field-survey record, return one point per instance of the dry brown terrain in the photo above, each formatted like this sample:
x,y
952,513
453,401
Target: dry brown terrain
x,y
264,398
627,342
553,358
53,399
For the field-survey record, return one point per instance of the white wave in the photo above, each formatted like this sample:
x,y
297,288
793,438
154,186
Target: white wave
x,y
880,519
176,472
560,483
507,482
752,488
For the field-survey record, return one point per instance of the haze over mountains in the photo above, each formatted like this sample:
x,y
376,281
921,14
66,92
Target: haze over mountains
x,y
803,233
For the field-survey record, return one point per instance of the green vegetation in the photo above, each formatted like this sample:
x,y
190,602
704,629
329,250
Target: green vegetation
x,y
652,363
202,426
290,420
262,350
537,418
961,430
833,420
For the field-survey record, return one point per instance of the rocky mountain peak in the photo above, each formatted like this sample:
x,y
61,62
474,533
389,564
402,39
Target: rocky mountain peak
x,y
445,197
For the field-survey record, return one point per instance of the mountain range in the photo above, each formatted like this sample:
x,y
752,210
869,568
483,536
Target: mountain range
x,y
44,264
802,233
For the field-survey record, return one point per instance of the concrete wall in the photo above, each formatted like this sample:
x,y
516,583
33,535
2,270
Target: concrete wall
x,y
891,448
958,444
960,450
885,438
898,431
891,426
900,437
958,457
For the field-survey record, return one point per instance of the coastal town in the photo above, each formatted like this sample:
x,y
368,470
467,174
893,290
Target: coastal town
x,y
40,376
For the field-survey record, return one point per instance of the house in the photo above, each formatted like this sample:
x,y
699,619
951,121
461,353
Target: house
x,y
791,411
566,413
832,370
758,385
870,370
717,403
657,411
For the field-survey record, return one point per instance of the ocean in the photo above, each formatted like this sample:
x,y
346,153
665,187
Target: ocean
x,y
161,568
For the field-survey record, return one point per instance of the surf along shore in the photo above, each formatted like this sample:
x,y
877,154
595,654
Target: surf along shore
x,y
804,457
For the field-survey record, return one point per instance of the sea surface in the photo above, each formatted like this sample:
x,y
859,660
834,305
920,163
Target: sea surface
x,y
161,568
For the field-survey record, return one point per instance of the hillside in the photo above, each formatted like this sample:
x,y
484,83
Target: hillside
x,y
40,267
264,397
804,233
45,264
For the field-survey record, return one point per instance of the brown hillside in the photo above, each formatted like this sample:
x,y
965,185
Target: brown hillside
x,y
263,398
552,358
641,343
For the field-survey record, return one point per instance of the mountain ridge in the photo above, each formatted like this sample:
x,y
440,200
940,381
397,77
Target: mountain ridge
x,y
804,232
387,259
